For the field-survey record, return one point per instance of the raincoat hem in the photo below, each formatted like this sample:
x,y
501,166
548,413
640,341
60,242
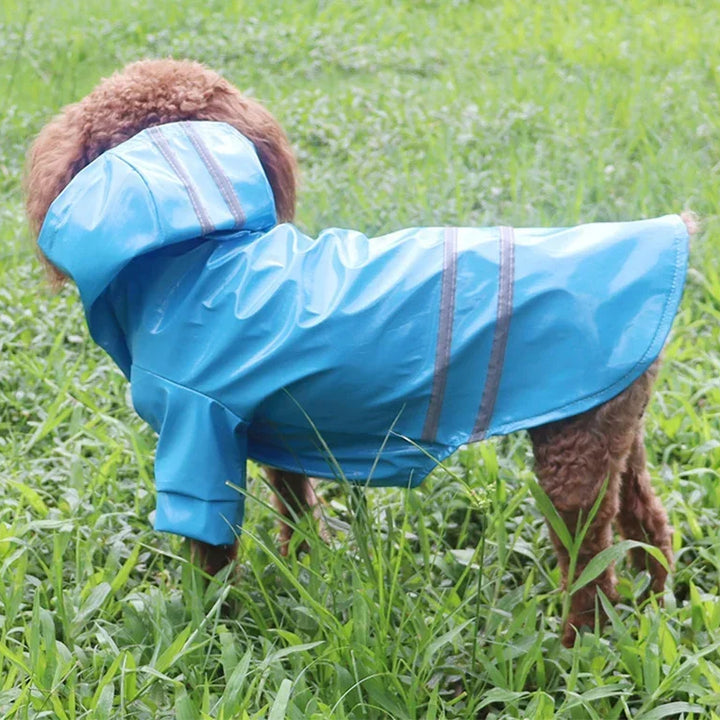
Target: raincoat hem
x,y
650,354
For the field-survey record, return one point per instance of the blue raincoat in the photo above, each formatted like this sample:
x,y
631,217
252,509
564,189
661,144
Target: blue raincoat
x,y
338,356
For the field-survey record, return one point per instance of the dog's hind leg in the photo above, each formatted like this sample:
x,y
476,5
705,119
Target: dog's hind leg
x,y
294,497
641,515
573,465
575,459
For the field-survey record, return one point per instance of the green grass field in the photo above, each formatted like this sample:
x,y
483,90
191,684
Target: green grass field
x,y
441,603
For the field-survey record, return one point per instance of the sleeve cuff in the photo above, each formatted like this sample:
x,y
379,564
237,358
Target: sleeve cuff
x,y
216,522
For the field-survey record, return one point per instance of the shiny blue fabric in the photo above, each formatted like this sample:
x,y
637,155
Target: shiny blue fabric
x,y
244,338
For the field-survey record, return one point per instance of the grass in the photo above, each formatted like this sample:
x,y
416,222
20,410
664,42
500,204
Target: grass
x,y
441,603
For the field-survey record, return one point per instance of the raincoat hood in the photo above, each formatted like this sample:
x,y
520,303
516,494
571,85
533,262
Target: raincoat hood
x,y
164,187
367,359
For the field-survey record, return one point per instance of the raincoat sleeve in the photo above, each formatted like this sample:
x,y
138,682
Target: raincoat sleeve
x,y
201,454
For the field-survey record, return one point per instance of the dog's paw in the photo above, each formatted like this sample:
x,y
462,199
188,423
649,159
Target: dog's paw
x,y
212,558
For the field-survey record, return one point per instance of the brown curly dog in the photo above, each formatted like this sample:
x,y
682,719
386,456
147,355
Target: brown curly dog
x,y
575,458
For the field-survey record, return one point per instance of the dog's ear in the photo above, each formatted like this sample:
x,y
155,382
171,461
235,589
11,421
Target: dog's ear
x,y
55,157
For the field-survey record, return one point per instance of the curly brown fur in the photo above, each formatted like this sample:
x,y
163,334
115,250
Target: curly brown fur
x,y
147,93
575,459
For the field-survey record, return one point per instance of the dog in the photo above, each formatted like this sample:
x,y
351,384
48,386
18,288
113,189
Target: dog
x,y
167,196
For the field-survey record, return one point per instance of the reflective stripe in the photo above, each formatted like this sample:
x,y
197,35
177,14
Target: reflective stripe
x,y
167,152
444,339
502,326
218,174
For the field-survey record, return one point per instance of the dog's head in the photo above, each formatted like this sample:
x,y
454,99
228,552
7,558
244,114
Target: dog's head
x,y
147,93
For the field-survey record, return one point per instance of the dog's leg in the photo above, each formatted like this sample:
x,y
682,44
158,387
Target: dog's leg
x,y
573,464
212,558
294,497
642,516
575,459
